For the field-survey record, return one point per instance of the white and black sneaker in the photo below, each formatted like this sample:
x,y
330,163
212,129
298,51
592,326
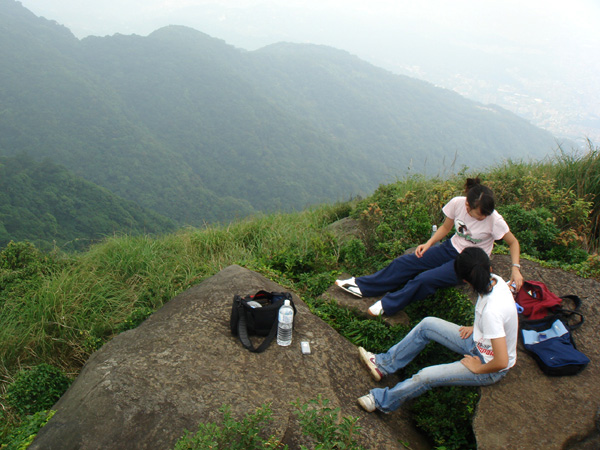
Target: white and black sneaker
x,y
350,286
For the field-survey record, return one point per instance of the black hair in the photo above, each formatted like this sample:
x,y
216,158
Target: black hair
x,y
480,196
473,266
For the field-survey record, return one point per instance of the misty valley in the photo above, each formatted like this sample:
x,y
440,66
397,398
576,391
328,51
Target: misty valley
x,y
146,134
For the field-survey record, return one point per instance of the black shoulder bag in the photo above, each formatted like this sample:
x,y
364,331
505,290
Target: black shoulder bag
x,y
257,315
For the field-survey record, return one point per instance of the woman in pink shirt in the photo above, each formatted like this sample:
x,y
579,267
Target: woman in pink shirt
x,y
415,276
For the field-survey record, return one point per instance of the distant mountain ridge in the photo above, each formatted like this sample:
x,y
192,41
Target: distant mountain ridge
x,y
199,131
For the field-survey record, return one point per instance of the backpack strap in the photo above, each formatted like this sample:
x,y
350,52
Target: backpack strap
x,y
575,299
572,318
243,333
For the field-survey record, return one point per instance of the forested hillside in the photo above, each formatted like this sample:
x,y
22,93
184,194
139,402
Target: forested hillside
x,y
45,204
200,131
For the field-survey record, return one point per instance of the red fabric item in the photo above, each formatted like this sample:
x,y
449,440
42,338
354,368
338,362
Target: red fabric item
x,y
537,300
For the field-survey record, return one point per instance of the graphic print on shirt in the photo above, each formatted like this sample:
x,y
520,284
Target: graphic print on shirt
x,y
463,232
485,349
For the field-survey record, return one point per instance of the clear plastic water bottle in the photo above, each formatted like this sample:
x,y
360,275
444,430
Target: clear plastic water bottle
x,y
285,325
433,229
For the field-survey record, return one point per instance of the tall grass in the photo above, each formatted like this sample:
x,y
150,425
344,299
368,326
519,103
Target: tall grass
x,y
580,172
79,306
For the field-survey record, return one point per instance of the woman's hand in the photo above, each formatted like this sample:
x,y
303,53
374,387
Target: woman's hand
x,y
421,249
473,363
465,332
516,278
441,232
499,360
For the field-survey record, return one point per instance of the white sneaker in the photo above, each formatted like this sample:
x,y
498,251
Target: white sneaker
x,y
376,309
350,286
367,402
368,359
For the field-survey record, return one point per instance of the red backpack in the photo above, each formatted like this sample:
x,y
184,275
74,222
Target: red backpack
x,y
537,300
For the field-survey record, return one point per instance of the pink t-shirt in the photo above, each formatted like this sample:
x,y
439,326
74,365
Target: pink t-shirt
x,y
471,232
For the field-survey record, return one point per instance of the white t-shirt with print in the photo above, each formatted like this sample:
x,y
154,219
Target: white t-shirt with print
x,y
471,232
496,317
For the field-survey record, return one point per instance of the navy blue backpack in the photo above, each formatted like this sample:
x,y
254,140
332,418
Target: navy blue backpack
x,y
550,342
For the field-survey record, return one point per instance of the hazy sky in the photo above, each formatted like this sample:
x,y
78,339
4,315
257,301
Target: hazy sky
x,y
547,50
524,21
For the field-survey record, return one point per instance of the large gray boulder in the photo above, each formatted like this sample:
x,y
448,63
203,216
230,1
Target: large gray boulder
x,y
146,386
529,410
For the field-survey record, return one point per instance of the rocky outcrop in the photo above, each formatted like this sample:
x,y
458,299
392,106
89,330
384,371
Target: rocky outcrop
x,y
529,410
146,386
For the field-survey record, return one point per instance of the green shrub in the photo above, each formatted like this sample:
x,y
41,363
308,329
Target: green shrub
x,y
20,256
231,434
353,255
445,416
450,304
36,389
327,429
539,235
396,222
314,284
534,188
323,424
22,266
22,436
302,255
134,319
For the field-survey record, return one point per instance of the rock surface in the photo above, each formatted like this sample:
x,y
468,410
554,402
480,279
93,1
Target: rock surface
x,y
361,304
146,386
529,410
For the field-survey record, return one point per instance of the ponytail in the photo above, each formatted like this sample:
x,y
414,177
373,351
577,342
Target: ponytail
x,y
470,183
473,266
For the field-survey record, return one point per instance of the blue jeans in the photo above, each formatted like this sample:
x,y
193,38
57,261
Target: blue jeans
x,y
452,374
423,276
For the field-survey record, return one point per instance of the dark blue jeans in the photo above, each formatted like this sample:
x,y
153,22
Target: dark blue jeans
x,y
423,276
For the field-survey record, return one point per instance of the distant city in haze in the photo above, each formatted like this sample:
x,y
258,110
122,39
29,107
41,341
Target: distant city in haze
x,y
538,59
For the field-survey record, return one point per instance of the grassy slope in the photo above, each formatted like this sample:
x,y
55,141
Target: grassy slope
x,y
59,308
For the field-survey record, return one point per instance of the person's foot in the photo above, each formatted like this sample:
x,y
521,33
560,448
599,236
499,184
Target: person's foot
x,y
350,286
368,360
376,309
367,402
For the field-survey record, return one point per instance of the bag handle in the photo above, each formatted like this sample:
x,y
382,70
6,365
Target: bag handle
x,y
575,299
567,314
243,332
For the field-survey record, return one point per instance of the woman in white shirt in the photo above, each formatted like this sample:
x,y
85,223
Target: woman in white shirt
x,y
431,267
489,347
